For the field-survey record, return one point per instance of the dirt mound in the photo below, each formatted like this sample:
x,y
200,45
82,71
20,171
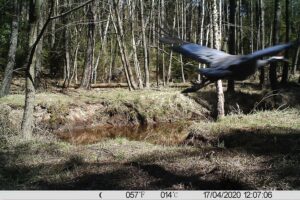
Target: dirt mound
x,y
118,107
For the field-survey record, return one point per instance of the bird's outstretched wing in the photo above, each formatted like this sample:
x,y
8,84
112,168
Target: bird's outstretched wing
x,y
194,51
200,53
270,51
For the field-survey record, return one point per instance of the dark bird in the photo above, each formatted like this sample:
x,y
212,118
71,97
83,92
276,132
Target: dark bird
x,y
221,65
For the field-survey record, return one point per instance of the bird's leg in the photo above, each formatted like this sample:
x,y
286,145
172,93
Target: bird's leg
x,y
197,86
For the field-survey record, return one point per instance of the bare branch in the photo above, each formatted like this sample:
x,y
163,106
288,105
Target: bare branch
x,y
72,10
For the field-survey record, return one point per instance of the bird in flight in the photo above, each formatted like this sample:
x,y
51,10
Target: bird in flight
x,y
221,65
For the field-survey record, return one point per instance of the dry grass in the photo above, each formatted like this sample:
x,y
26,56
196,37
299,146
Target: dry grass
x,y
115,106
250,158
259,150
150,103
276,119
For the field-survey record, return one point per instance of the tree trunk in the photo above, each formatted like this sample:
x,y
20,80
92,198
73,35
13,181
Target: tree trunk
x,y
237,33
121,43
276,34
285,70
201,34
134,45
157,64
182,70
28,121
103,51
296,61
169,74
162,22
113,53
183,36
53,42
262,36
87,73
241,48
34,38
74,73
158,30
38,68
146,66
53,27
217,45
252,26
232,38
6,82
67,67
220,21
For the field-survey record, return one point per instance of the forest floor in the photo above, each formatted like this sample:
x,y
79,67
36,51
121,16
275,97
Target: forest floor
x,y
248,149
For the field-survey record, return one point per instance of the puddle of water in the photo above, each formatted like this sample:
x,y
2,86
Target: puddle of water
x,y
165,134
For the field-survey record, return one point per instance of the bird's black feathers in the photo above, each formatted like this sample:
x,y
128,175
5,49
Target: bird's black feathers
x,y
200,53
270,51
222,65
225,66
196,52
213,74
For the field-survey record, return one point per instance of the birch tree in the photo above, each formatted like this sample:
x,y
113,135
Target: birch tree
x,y
217,45
118,26
145,49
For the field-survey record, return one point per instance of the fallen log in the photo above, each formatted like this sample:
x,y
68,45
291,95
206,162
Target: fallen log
x,y
99,85
109,85
124,85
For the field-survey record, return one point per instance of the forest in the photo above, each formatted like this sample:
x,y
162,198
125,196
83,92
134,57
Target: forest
x,y
149,94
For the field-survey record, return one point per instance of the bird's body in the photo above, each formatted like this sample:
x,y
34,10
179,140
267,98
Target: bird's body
x,y
221,65
228,68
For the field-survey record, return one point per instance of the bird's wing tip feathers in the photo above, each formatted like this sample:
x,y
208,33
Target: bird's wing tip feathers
x,y
297,42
